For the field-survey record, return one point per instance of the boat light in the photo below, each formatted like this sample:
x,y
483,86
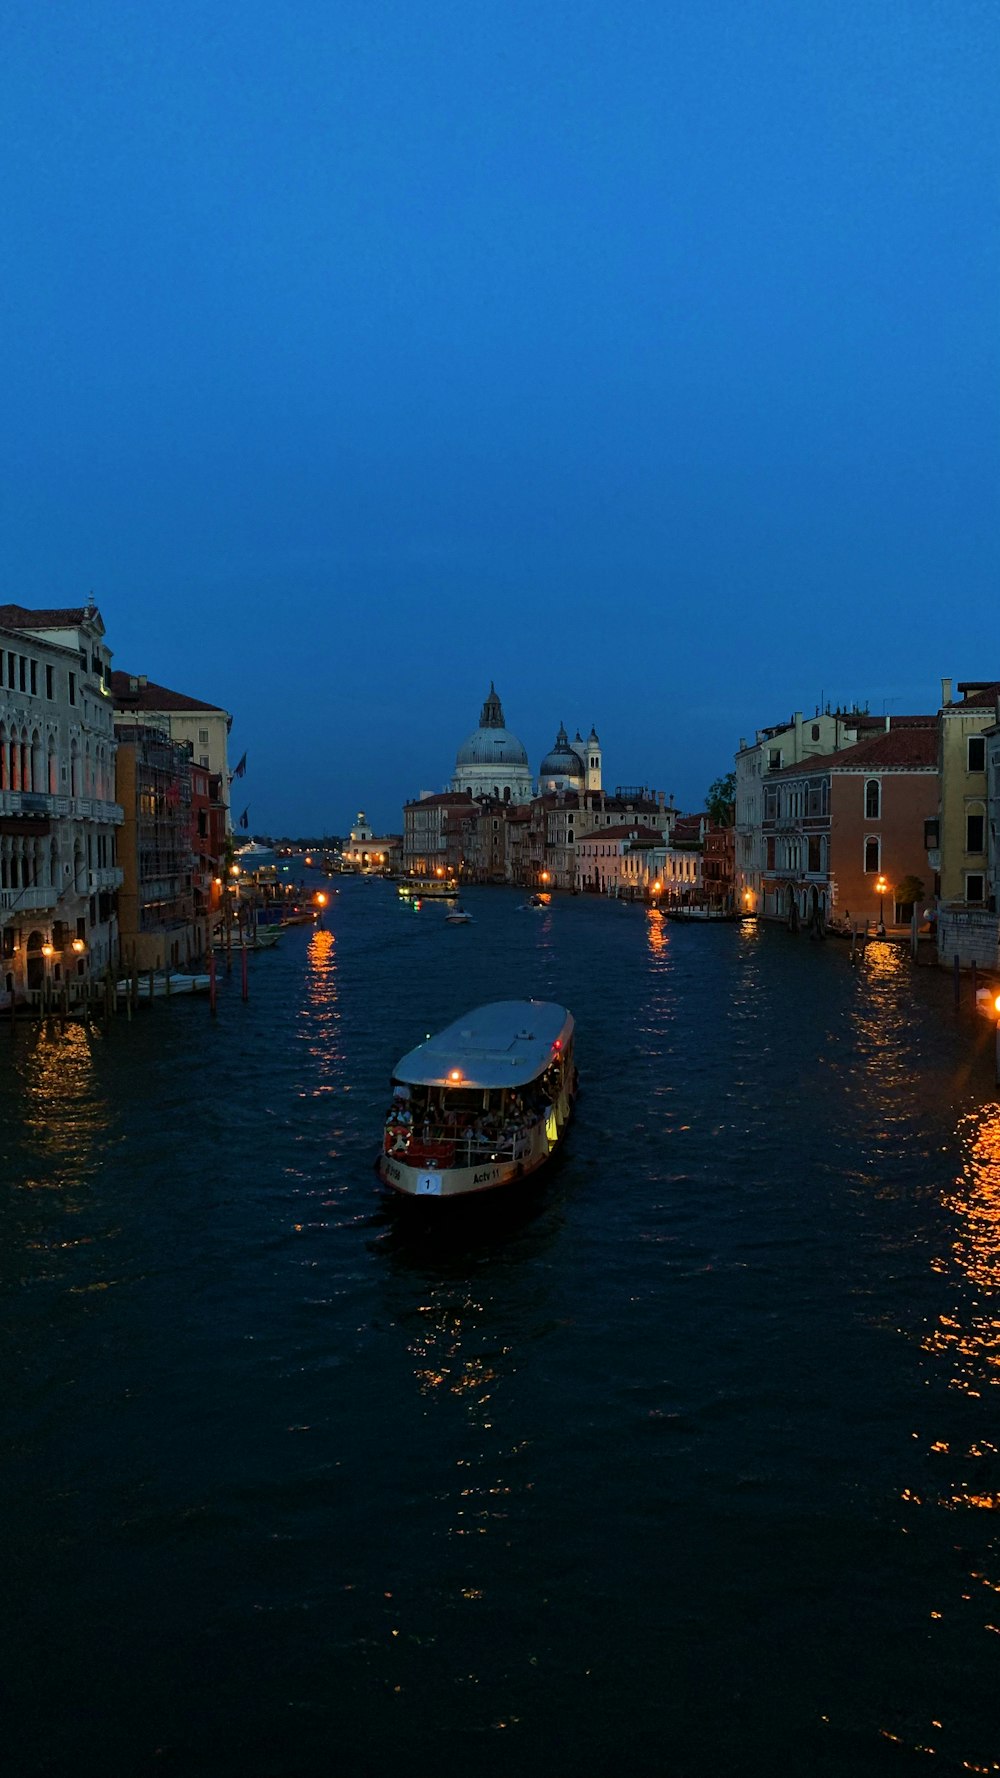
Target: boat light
x,y
456,1074
320,899
558,1044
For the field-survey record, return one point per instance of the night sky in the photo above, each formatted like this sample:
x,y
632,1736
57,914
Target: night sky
x,y
643,359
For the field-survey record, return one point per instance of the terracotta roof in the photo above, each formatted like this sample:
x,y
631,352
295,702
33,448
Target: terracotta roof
x,y
19,617
866,723
623,833
916,748
977,696
441,799
154,697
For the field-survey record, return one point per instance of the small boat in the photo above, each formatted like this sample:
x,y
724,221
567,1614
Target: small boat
x,y
700,912
457,916
418,887
482,1104
161,986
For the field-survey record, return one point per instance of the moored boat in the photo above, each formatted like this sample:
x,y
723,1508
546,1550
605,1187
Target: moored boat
x,y
481,1104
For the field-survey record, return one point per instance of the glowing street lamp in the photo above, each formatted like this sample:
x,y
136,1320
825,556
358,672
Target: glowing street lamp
x,y
881,890
48,950
79,946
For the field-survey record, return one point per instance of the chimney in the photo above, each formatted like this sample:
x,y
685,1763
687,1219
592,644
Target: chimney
x,y
661,797
143,682
133,683
946,691
887,722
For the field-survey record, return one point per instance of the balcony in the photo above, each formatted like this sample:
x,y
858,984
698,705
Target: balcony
x,y
28,901
76,808
30,802
107,877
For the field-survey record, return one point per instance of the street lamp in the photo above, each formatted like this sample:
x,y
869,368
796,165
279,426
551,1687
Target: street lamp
x,y
881,890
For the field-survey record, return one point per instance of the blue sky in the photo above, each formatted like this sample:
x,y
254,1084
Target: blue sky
x,y
643,359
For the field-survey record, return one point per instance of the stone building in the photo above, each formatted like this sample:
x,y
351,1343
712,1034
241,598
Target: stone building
x,y
201,727
834,826
59,819
156,903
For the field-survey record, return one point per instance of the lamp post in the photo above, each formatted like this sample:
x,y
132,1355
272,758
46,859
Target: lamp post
x,y
881,890
996,1004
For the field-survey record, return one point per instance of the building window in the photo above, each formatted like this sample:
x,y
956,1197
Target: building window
x,y
974,885
203,736
72,688
774,759
873,799
33,667
49,683
815,731
815,863
873,860
975,834
976,753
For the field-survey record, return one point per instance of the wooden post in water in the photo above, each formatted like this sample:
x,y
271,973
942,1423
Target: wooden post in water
x,y
975,983
245,973
958,980
914,942
211,983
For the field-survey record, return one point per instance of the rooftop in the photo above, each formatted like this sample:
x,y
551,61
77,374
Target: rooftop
x,y
505,1044
892,749
131,692
20,617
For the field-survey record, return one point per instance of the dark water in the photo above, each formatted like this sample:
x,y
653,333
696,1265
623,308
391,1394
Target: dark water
x,y
686,1463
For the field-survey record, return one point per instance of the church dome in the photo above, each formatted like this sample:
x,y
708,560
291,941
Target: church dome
x,y
491,744
563,761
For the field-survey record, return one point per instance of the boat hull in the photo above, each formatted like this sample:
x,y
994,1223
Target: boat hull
x,y
411,1179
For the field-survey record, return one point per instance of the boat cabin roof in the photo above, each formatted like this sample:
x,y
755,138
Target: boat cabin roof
x,y
504,1044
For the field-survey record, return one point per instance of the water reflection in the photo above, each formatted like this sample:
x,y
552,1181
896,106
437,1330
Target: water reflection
x,y
969,1334
321,1015
64,1117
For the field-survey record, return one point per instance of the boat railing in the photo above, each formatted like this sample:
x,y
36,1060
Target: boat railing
x,y
431,1145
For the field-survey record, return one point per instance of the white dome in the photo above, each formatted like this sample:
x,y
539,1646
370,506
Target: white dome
x,y
491,761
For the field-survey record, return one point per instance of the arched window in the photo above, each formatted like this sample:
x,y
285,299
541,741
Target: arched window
x,y
873,855
815,731
53,769
873,799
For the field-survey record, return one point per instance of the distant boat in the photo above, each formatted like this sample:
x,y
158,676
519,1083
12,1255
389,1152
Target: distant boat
x,y
179,984
457,916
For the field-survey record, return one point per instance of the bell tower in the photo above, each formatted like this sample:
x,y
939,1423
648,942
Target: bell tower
x,y
593,758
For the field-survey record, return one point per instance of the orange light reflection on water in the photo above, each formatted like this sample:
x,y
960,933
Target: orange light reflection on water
x,y
61,1108
321,1014
969,1333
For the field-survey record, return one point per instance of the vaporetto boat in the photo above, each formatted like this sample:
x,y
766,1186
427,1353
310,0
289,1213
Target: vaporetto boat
x,y
481,1104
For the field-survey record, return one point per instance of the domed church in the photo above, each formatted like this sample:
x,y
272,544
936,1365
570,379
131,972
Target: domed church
x,y
571,765
491,761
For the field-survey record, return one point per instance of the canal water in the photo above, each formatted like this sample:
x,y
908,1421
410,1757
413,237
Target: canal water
x,y
684,1462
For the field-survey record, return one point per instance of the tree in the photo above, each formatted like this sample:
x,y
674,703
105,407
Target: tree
x,y
720,799
910,890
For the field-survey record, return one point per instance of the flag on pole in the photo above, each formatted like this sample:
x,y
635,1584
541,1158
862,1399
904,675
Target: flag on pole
x,y
245,818
238,770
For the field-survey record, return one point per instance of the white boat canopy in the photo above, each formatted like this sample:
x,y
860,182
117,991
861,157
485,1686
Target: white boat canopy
x,y
505,1044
